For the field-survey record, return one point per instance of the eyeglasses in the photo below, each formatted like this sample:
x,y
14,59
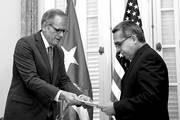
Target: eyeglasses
x,y
119,44
58,30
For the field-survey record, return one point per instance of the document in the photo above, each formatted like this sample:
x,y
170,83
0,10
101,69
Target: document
x,y
89,103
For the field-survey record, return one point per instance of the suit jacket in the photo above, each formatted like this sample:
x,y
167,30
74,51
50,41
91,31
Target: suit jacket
x,y
34,85
144,88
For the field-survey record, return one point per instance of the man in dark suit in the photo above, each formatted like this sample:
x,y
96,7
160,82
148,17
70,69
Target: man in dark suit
x,y
144,87
39,78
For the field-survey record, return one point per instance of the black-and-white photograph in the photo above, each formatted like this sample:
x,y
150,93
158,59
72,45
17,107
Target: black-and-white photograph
x,y
90,60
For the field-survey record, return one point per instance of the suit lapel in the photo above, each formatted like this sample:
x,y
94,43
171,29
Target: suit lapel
x,y
136,57
41,47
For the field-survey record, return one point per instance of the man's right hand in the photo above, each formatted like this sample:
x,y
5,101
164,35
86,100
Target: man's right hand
x,y
70,98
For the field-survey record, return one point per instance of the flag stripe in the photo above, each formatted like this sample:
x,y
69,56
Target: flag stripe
x,y
116,82
118,68
116,91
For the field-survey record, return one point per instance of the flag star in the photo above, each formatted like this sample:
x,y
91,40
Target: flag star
x,y
135,6
132,20
130,4
128,11
134,13
69,57
127,18
137,23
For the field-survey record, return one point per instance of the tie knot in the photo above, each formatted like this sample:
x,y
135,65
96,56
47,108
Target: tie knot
x,y
50,48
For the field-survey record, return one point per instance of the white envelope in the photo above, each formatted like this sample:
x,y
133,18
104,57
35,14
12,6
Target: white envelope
x,y
89,103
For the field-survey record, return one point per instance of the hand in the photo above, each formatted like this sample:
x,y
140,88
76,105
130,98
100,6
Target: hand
x,y
84,98
108,109
70,98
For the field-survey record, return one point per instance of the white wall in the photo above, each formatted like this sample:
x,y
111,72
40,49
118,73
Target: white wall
x,y
42,7
10,25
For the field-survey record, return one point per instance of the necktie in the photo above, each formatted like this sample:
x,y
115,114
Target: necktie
x,y
50,56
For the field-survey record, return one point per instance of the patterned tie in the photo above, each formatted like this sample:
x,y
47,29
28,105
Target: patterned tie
x,y
50,55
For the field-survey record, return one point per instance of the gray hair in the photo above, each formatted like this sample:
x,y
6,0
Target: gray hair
x,y
50,14
130,28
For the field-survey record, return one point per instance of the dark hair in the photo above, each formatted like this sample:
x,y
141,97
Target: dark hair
x,y
130,28
50,14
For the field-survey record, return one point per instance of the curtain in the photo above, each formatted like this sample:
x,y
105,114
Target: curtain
x,y
29,17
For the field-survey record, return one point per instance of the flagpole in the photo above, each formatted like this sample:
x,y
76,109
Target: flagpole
x,y
61,110
152,26
112,67
111,41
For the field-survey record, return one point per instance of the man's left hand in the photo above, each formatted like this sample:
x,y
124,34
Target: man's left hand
x,y
108,109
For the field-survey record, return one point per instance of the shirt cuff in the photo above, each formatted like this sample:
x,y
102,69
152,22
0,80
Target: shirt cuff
x,y
57,96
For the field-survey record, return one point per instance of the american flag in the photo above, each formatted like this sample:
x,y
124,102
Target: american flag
x,y
131,13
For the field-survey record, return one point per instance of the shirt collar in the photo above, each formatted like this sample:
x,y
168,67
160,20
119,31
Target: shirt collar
x,y
45,41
